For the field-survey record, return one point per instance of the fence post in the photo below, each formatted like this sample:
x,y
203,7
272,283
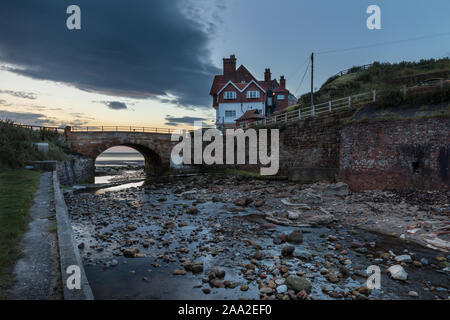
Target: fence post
x,y
275,119
350,101
442,83
299,113
404,90
329,106
265,121
285,117
313,110
374,95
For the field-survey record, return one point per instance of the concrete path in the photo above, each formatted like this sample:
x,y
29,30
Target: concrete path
x,y
37,273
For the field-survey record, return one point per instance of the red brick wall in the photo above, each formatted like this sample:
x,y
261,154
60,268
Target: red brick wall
x,y
282,104
403,154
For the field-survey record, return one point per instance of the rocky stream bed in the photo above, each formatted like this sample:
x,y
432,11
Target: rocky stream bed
x,y
224,237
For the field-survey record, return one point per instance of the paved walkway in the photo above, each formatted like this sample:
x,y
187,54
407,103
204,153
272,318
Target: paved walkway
x,y
37,273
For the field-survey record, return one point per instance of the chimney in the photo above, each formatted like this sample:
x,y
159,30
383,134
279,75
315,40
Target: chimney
x,y
229,65
282,82
267,75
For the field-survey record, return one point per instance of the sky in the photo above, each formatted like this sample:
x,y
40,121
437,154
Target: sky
x,y
151,62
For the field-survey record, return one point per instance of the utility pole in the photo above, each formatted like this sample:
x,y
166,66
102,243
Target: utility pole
x,y
312,78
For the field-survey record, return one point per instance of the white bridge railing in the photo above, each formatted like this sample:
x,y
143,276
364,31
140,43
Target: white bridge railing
x,y
343,104
318,109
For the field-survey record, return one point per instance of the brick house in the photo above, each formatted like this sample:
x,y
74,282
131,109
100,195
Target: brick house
x,y
236,91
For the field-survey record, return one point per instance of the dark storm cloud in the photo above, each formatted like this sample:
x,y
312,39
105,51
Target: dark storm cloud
x,y
135,49
174,121
37,119
115,105
19,94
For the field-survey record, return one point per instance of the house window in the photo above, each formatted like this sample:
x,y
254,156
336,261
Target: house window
x,y
230,113
269,101
229,95
254,94
280,97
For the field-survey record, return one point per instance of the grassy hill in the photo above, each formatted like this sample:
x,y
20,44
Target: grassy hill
x,y
16,145
380,76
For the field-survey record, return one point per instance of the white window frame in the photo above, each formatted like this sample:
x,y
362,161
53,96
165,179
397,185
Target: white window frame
x,y
229,95
253,94
233,113
281,97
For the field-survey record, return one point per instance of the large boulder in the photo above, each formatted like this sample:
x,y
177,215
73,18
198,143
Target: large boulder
x,y
309,196
295,236
338,189
298,284
303,254
130,252
287,251
217,272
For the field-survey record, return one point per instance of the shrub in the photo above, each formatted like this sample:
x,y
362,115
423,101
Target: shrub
x,y
16,145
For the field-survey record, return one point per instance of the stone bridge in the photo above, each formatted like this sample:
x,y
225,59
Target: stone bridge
x,y
153,145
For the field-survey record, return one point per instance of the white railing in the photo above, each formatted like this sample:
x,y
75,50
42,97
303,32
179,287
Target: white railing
x,y
317,110
342,104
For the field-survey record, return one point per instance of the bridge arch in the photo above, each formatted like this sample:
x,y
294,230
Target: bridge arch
x,y
155,147
153,161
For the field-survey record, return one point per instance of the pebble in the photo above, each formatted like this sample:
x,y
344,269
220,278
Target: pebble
x,y
295,236
244,287
397,272
403,258
179,272
287,251
413,294
282,289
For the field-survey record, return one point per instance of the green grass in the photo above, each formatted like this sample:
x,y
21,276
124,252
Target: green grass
x,y
380,76
441,115
16,145
17,189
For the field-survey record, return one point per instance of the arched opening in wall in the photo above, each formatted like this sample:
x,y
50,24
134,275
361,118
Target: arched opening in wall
x,y
124,163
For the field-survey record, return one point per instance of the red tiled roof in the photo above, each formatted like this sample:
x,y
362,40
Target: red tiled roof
x,y
250,114
217,84
241,74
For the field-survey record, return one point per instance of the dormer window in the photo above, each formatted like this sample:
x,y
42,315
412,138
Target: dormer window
x,y
254,94
229,95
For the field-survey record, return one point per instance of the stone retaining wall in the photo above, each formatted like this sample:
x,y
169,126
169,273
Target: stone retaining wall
x,y
75,170
68,251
